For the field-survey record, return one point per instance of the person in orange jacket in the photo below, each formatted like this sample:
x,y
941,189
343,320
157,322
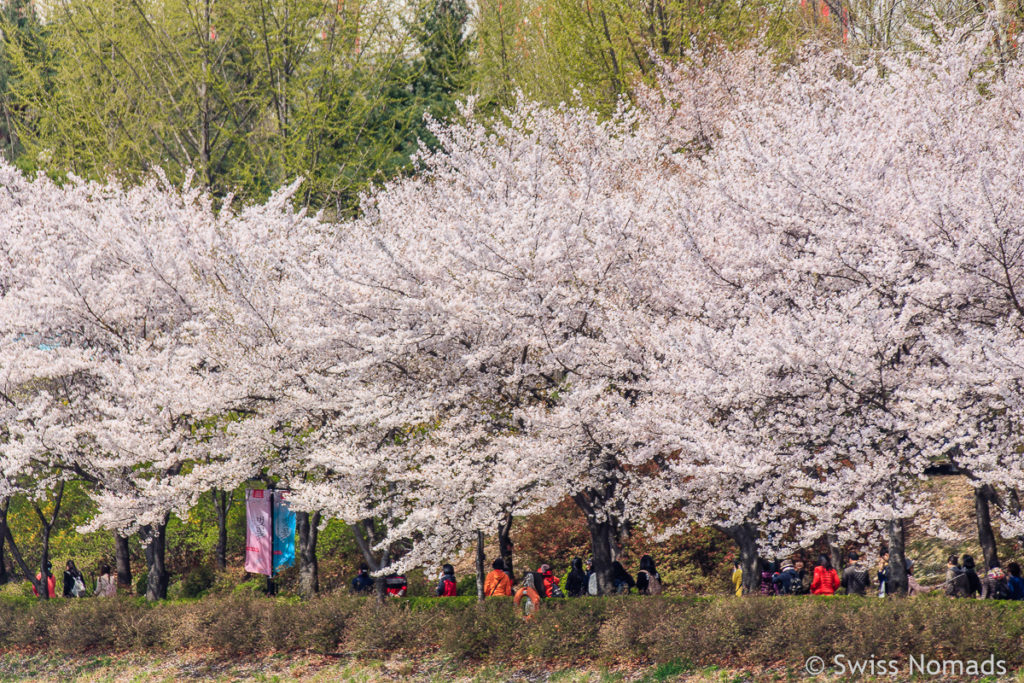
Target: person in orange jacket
x,y
51,581
497,582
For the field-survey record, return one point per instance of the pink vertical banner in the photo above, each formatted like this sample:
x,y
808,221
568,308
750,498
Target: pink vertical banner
x,y
258,533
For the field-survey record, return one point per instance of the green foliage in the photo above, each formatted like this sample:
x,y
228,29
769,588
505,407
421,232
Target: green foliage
x,y
248,95
669,670
89,551
257,585
434,602
467,584
141,580
442,72
193,584
597,50
24,30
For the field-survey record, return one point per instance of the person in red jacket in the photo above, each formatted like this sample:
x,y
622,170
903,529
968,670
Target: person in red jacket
x,y
826,580
550,581
51,581
447,587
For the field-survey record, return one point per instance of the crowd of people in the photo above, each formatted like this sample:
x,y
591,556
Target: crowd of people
x,y
962,579
577,582
74,584
788,577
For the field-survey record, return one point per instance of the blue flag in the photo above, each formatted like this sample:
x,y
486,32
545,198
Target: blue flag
x,y
284,531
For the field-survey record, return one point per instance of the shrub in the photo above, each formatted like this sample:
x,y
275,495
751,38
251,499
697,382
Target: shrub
x,y
194,584
389,627
751,631
232,625
567,628
467,585
481,629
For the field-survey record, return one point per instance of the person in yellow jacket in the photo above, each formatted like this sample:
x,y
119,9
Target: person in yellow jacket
x,y
497,581
737,578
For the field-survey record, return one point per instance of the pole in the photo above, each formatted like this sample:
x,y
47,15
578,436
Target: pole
x,y
271,584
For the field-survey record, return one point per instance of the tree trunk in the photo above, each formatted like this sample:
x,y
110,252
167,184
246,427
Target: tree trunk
x,y
983,495
44,563
745,536
601,541
480,565
221,504
366,538
896,584
595,503
834,552
4,574
122,557
154,540
44,556
309,570
1003,14
29,575
505,545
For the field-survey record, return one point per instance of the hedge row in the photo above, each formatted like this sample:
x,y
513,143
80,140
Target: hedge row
x,y
704,631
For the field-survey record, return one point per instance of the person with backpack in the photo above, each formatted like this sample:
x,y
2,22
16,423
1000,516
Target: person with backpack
x,y
363,582
591,577
395,585
973,582
447,587
74,582
622,581
497,581
106,585
801,586
576,581
826,580
1014,582
856,579
785,579
994,586
648,580
548,583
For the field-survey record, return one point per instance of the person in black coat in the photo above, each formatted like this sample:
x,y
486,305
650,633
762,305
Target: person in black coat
x,y
363,582
622,581
971,572
576,581
70,574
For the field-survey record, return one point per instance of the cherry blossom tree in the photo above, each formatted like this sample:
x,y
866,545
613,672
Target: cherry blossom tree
x,y
102,276
767,298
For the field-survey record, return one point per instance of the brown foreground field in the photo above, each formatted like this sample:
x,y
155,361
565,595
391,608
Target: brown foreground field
x,y
623,638
318,668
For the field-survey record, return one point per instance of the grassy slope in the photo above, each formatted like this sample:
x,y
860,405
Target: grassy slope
x,y
170,669
311,668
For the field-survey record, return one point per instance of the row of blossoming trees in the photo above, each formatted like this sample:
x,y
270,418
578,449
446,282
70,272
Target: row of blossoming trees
x,y
766,298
